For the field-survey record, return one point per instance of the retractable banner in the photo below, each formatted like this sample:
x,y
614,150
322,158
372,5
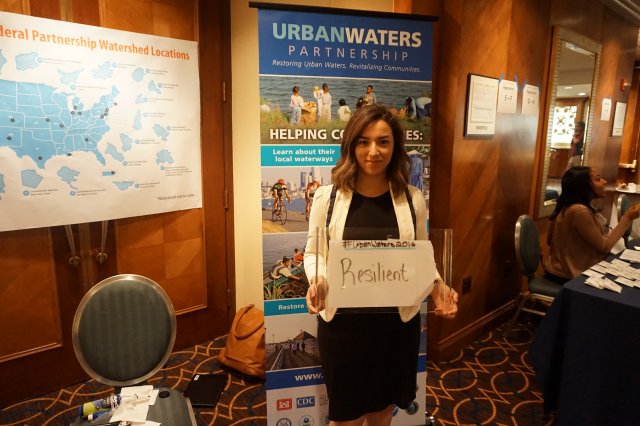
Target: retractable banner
x,y
316,69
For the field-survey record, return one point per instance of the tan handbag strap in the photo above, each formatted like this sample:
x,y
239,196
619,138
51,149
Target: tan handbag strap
x,y
249,333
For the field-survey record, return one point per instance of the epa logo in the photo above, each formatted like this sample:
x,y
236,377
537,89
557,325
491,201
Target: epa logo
x,y
284,404
306,421
305,401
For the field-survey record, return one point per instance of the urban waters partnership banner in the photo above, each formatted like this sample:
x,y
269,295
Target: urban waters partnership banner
x,y
95,124
316,69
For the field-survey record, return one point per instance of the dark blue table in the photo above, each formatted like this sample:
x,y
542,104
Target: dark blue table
x,y
586,355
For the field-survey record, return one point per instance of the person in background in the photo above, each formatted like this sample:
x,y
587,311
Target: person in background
x,y
283,269
360,102
368,355
423,106
296,105
309,192
317,94
325,108
578,237
370,97
410,107
279,192
297,256
577,144
344,112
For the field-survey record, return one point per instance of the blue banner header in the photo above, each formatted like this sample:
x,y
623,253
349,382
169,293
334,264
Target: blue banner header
x,y
299,155
285,307
281,379
310,44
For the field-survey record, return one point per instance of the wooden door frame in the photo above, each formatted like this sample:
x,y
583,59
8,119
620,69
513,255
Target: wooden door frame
x,y
219,30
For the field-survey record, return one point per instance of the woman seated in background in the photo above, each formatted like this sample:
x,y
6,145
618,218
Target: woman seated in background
x,y
578,237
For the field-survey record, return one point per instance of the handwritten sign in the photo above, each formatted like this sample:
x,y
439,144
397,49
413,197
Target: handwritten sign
x,y
530,100
605,115
363,273
507,96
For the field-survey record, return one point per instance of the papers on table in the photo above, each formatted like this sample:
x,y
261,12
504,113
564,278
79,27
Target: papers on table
x,y
631,255
625,274
134,405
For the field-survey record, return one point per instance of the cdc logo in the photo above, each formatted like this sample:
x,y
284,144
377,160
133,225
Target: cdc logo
x,y
305,401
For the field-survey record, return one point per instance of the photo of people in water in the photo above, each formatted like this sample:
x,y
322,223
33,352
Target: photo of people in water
x,y
300,110
283,274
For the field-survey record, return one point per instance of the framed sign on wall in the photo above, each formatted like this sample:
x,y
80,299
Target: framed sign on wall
x,y
482,98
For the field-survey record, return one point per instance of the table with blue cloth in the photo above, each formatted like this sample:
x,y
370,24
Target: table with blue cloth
x,y
586,355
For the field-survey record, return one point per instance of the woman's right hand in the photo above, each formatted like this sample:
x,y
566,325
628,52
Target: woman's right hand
x,y
316,295
633,212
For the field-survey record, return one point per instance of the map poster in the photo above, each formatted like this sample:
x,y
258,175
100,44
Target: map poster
x,y
95,123
316,70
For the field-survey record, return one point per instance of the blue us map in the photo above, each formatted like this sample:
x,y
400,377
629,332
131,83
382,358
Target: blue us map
x,y
95,123
40,122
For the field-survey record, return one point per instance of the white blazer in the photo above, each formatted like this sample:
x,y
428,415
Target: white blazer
x,y
318,219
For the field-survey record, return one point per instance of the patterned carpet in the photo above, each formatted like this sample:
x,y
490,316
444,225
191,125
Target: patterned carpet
x,y
242,402
490,382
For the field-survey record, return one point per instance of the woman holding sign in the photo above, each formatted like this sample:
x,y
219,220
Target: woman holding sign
x,y
369,355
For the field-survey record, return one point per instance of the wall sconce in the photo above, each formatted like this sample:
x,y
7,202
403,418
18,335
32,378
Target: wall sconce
x,y
624,84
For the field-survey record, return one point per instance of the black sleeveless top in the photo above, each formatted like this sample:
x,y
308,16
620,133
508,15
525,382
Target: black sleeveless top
x,y
371,218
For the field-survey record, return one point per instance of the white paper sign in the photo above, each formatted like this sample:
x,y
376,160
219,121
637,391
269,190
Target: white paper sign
x,y
618,119
481,107
507,96
363,273
530,100
605,115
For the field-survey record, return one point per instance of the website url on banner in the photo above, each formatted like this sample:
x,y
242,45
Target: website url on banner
x,y
173,197
309,376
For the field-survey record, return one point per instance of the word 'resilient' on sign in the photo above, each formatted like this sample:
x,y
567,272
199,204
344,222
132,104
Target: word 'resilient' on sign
x,y
372,273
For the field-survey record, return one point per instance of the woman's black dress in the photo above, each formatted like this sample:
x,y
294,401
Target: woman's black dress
x,y
369,356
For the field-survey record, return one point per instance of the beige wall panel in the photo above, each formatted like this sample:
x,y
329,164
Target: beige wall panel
x,y
30,319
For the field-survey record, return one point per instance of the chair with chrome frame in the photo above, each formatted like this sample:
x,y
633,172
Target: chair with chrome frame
x,y
622,206
527,244
123,333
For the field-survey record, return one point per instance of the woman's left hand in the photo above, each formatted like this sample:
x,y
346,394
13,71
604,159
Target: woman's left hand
x,y
445,299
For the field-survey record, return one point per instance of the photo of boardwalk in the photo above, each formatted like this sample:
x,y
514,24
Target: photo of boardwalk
x,y
291,342
297,352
